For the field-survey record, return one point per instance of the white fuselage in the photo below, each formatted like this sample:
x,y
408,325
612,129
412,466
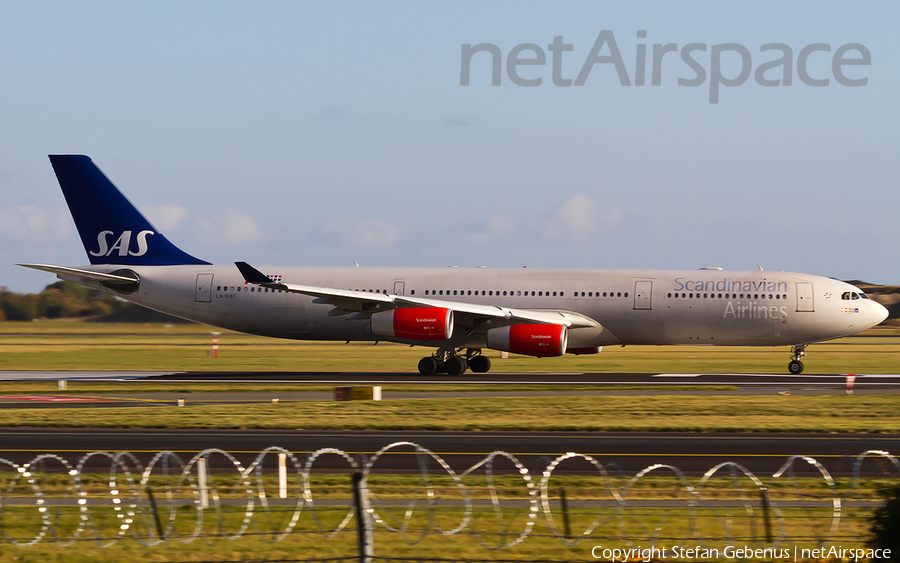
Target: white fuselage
x,y
707,307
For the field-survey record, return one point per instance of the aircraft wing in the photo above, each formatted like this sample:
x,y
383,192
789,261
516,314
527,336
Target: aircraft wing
x,y
349,301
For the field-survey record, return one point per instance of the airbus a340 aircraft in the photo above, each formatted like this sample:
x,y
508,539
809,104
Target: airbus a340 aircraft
x,y
457,311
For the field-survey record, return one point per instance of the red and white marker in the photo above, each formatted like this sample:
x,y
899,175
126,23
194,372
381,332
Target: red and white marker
x,y
851,379
214,351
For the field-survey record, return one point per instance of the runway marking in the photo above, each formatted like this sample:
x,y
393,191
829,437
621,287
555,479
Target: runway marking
x,y
677,375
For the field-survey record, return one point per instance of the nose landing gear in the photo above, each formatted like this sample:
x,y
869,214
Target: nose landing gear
x,y
796,366
452,363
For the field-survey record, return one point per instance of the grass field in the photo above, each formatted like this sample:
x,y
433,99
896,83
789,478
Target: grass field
x,y
76,345
71,345
658,413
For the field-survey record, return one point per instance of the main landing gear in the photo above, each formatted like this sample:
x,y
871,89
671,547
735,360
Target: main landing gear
x,y
796,366
452,363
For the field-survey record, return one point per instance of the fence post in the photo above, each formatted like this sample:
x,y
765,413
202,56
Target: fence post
x,y
282,475
159,529
767,525
363,527
565,510
201,482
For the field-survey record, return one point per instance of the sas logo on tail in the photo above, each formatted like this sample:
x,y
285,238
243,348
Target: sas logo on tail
x,y
122,244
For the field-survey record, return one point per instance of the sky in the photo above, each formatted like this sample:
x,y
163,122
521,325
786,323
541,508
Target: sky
x,y
319,133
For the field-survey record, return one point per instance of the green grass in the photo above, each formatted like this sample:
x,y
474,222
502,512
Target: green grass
x,y
662,413
802,526
75,345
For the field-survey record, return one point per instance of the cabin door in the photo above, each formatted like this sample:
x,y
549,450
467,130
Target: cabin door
x,y
642,294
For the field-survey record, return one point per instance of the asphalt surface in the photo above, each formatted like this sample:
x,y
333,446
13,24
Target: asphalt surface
x,y
620,453
748,381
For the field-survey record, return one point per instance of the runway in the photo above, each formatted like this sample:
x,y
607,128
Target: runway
x,y
600,379
622,454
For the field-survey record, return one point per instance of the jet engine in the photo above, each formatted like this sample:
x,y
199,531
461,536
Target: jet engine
x,y
541,340
425,324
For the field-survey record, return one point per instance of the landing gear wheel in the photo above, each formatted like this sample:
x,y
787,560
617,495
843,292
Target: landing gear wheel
x,y
795,367
428,366
456,365
480,364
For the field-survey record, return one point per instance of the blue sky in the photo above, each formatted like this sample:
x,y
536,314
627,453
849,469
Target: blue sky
x,y
314,133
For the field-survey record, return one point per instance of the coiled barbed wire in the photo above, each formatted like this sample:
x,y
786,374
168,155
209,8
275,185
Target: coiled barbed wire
x,y
128,489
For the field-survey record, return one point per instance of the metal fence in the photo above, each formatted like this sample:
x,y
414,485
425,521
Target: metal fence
x,y
497,503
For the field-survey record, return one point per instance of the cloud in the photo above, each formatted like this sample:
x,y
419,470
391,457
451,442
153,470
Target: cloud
x,y
578,219
367,233
494,228
35,224
165,217
231,226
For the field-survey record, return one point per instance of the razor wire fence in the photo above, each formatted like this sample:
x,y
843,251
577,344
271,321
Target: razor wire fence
x,y
496,504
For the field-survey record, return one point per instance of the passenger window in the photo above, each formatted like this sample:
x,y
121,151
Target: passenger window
x,y
626,294
620,295
590,294
676,295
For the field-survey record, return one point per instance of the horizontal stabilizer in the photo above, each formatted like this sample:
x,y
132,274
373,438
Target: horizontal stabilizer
x,y
86,274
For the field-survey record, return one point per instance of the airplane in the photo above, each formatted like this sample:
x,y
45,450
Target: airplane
x,y
459,312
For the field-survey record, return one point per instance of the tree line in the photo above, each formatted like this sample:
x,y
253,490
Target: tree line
x,y
57,300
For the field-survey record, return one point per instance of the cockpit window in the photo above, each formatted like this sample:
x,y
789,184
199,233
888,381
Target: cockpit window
x,y
863,295
854,296
846,296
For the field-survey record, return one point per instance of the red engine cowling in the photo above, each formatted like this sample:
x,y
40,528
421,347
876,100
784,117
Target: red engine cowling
x,y
425,324
530,340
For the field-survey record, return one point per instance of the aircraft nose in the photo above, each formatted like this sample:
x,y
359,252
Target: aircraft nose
x,y
879,313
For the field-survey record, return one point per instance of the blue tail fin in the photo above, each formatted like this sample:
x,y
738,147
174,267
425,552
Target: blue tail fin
x,y
112,230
